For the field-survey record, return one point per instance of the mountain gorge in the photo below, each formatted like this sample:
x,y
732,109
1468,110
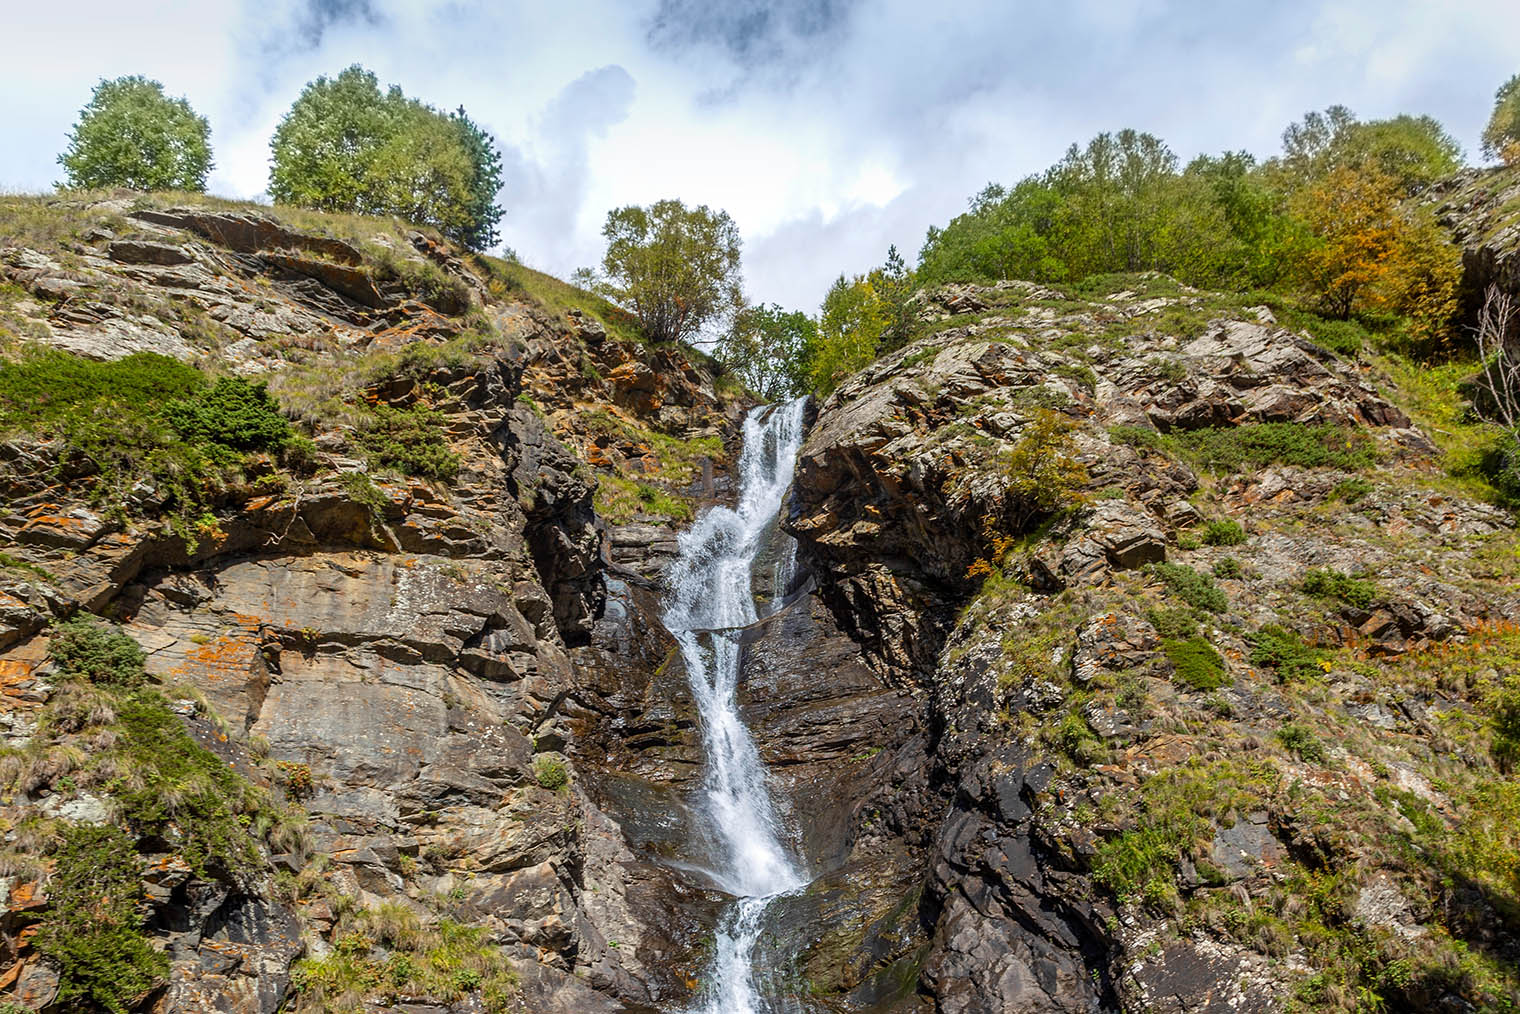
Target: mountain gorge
x,y
1121,645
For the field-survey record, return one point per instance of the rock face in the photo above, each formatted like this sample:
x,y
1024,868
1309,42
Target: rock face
x,y
407,647
1479,206
1099,811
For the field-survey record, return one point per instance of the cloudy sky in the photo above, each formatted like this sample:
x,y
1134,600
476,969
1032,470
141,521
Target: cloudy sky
x,y
828,129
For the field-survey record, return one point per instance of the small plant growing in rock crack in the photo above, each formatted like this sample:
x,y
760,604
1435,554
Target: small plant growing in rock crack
x,y
1301,741
296,779
551,772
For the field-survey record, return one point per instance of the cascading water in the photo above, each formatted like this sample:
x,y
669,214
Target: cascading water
x,y
710,597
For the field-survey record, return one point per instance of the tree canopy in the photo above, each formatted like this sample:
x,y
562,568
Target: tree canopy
x,y
347,146
673,267
133,135
1501,138
770,349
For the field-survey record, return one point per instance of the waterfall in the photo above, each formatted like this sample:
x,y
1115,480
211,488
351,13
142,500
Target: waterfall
x,y
710,594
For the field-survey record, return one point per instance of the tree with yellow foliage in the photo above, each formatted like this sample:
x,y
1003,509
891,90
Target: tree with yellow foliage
x,y
1370,252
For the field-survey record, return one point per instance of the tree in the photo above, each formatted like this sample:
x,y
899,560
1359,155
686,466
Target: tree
x,y
1501,138
483,213
1353,217
1371,252
1413,151
849,332
894,284
346,146
771,350
133,135
675,268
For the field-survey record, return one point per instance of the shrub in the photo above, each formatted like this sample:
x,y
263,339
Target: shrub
x,y
1301,741
98,652
1197,590
233,414
1230,449
550,772
1352,490
1505,723
1173,624
174,781
93,930
1198,666
1283,651
1332,584
1223,533
411,440
1076,739
1228,568
296,779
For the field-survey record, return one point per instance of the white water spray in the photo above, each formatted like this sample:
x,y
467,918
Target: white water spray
x,y
710,595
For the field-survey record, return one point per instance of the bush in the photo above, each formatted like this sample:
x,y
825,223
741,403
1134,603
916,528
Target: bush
x,y
1228,568
233,414
1500,466
93,930
1173,624
1197,590
1351,490
1332,584
550,772
1231,449
411,440
1198,666
1281,650
1223,533
87,649
1301,741
1505,723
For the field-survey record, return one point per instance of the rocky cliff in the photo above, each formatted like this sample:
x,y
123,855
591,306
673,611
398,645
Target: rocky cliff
x,y
1138,654
1214,660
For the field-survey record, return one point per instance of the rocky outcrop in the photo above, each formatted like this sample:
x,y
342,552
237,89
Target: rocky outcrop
x,y
1481,208
405,646
1063,700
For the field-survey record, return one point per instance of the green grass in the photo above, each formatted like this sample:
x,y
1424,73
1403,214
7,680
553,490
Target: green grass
x,y
509,278
383,954
1172,816
1231,449
148,418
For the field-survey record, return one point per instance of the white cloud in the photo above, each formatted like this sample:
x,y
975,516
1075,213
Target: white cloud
x,y
828,128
